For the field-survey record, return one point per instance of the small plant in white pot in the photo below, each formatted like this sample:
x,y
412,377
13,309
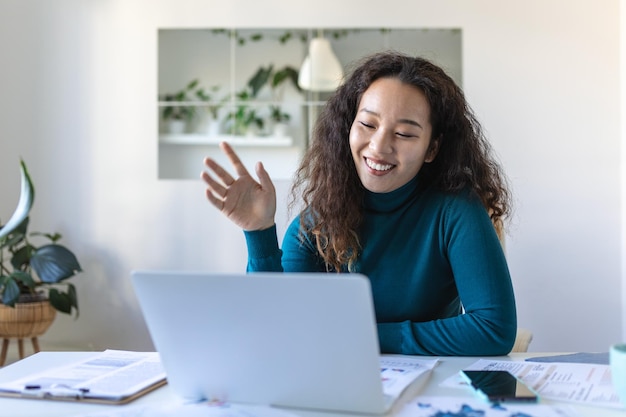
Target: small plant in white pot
x,y
208,121
280,120
177,116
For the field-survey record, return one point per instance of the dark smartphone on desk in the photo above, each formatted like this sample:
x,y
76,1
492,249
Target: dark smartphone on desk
x,y
500,386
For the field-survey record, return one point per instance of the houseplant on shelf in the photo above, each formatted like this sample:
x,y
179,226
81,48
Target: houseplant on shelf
x,y
245,119
176,116
209,120
280,119
33,277
277,80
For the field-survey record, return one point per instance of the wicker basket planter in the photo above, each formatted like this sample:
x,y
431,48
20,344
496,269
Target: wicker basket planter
x,y
26,320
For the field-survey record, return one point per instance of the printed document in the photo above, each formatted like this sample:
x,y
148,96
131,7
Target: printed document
x,y
398,372
109,376
575,382
469,407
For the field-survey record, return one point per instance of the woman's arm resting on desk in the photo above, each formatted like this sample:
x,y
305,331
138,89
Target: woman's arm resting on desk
x,y
489,323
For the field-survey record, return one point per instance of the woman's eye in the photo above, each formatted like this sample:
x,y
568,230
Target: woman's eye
x,y
369,126
405,135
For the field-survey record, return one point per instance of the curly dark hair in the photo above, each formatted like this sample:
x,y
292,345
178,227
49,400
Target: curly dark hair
x,y
327,178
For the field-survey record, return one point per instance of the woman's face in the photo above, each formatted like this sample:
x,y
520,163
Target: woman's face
x,y
390,137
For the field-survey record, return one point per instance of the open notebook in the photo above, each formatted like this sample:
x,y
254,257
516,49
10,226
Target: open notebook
x,y
293,340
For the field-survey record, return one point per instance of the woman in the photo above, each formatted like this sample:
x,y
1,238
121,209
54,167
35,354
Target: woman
x,y
398,185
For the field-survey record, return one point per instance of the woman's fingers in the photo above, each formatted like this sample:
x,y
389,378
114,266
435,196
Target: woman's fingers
x,y
220,172
240,168
264,177
217,202
214,186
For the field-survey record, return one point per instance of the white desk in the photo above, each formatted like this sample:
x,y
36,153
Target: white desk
x,y
10,407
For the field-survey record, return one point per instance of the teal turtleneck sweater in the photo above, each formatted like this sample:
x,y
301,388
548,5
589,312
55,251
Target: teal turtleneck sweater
x,y
428,256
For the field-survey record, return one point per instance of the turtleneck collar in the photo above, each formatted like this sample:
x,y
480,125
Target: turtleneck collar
x,y
388,202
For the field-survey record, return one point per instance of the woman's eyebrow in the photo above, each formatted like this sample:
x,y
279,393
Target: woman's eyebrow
x,y
410,122
405,121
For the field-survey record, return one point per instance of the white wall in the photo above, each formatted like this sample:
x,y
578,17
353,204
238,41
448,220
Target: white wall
x,y
77,95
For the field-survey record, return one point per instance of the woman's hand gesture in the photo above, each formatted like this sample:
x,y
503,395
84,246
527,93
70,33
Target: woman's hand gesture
x,y
249,204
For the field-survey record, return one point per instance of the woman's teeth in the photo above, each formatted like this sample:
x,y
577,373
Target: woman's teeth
x,y
378,167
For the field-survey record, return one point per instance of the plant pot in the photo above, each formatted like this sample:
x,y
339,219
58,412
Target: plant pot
x,y
26,320
280,129
176,127
209,126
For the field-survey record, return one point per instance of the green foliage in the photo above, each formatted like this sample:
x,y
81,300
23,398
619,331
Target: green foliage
x,y
245,116
180,112
29,268
209,96
277,115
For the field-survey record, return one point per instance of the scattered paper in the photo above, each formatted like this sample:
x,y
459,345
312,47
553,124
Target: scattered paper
x,y
109,375
196,409
571,382
468,407
398,372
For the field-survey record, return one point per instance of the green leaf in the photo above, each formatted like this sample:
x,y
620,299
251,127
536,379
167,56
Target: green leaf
x,y
60,300
53,237
287,73
259,79
11,292
192,84
21,257
27,197
73,297
24,277
16,236
54,263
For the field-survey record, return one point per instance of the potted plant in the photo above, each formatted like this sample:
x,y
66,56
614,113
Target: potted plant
x,y
280,119
33,273
210,122
177,116
244,119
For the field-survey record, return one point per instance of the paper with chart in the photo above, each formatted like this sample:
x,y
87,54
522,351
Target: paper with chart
x,y
398,372
575,382
469,407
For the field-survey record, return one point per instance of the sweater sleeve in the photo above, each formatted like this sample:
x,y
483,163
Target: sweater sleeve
x,y
264,255
488,324
298,253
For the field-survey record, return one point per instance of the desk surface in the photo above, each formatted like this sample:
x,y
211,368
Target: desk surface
x,y
447,367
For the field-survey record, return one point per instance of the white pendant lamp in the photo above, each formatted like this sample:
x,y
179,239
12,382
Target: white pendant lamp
x,y
321,70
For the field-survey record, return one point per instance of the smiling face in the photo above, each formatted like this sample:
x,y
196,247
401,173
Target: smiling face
x,y
390,138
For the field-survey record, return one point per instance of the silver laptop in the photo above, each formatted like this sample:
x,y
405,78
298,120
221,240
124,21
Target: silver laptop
x,y
298,340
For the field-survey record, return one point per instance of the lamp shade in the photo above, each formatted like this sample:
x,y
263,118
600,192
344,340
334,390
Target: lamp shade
x,y
321,70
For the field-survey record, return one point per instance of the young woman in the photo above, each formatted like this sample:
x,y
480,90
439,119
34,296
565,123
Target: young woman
x,y
399,184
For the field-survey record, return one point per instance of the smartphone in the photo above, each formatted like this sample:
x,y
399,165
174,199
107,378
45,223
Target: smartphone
x,y
500,386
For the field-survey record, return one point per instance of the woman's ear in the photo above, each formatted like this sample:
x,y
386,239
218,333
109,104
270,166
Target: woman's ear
x,y
433,149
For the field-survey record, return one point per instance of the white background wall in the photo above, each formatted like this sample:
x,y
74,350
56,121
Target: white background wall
x,y
77,94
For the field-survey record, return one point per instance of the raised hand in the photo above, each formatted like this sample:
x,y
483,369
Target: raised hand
x,y
249,204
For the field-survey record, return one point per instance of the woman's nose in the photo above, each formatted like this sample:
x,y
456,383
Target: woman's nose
x,y
381,142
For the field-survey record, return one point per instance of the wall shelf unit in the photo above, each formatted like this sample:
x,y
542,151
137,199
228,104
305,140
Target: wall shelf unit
x,y
238,141
223,81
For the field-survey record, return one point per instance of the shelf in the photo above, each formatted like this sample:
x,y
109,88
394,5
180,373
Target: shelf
x,y
242,141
